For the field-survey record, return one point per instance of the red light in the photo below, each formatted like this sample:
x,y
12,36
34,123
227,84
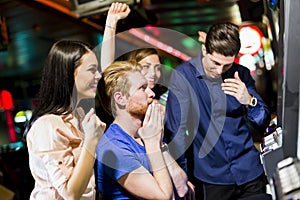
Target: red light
x,y
153,41
1,105
10,126
6,100
6,103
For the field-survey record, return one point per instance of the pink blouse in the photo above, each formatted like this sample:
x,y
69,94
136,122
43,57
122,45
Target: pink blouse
x,y
54,146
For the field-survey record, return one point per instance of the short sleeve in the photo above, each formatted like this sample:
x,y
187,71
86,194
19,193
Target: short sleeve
x,y
117,158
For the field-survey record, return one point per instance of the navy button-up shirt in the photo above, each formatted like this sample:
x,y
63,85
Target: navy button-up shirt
x,y
216,125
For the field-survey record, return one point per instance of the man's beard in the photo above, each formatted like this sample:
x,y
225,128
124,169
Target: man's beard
x,y
138,109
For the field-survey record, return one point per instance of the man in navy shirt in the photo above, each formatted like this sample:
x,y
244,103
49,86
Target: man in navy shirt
x,y
211,103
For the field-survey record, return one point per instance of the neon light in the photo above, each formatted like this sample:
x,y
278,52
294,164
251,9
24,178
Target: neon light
x,y
6,99
10,126
151,40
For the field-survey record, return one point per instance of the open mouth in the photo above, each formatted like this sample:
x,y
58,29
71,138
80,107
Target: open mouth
x,y
151,80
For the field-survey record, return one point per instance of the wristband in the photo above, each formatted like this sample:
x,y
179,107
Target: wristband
x,y
111,27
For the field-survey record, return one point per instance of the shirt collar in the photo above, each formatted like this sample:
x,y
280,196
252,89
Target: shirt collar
x,y
197,63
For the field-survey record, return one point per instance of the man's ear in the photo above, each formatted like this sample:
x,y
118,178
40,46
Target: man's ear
x,y
120,99
203,50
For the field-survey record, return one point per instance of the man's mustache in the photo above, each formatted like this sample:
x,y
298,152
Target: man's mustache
x,y
149,101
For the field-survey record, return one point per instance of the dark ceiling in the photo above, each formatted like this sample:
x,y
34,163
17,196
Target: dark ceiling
x,y
33,26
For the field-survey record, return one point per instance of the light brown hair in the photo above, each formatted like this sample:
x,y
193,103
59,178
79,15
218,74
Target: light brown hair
x,y
114,79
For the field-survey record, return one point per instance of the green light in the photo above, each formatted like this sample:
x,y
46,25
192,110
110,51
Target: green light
x,y
188,43
168,64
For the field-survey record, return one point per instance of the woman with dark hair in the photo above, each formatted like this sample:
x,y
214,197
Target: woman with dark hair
x,y
151,63
61,139
152,68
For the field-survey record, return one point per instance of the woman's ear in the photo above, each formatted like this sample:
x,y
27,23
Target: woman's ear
x,y
120,99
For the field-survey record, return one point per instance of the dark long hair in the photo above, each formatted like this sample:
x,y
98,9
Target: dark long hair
x,y
57,82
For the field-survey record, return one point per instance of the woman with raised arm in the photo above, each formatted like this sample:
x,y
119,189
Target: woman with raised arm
x,y
147,57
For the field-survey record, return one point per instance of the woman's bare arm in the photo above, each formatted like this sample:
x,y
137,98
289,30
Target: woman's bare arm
x,y
116,12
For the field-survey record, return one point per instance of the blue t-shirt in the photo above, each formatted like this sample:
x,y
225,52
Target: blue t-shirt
x,y
117,155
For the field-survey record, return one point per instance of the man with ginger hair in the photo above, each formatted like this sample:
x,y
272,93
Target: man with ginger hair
x,y
132,160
